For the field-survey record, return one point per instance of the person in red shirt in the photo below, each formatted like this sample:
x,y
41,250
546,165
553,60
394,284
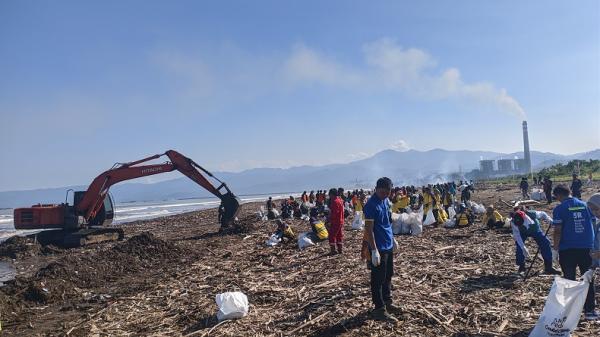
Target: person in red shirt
x,y
336,221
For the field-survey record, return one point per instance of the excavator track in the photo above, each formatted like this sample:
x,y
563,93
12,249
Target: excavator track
x,y
82,237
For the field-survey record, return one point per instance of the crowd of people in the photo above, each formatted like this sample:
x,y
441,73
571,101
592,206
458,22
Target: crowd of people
x,y
575,241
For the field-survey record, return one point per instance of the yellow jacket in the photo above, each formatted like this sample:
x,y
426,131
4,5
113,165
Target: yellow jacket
x,y
401,203
496,217
427,202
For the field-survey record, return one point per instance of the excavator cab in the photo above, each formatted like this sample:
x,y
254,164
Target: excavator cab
x,y
228,209
105,215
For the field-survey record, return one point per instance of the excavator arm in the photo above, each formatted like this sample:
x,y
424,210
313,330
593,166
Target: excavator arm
x,y
93,199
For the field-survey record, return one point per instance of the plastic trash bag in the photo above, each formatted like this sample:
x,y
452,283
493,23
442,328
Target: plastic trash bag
x,y
304,241
304,217
358,223
477,208
232,305
429,219
401,223
538,194
274,240
450,223
563,307
451,212
416,228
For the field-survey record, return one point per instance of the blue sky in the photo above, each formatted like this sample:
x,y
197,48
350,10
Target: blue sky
x,y
236,85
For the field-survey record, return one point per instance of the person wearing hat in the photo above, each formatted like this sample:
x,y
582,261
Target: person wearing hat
x,y
526,224
378,249
576,185
574,240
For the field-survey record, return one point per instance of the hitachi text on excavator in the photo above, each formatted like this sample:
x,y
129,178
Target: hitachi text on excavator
x,y
89,218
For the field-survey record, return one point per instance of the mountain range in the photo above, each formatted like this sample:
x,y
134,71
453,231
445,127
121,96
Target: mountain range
x,y
407,167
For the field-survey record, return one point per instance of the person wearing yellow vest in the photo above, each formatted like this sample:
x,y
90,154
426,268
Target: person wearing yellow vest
x,y
493,219
464,217
402,201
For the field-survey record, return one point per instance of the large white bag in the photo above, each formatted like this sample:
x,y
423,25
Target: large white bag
x,y
416,222
563,307
304,241
451,212
358,223
538,194
232,305
450,223
429,219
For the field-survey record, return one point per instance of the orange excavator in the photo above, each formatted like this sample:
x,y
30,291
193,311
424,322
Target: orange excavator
x,y
88,219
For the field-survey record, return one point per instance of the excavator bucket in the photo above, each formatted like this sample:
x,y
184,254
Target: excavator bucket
x,y
229,208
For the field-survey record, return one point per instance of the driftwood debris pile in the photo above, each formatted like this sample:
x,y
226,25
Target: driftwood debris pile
x,y
449,282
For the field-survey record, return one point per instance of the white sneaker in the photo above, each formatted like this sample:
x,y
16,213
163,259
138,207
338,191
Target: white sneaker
x,y
591,316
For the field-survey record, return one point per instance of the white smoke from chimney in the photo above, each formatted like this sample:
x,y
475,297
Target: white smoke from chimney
x,y
389,67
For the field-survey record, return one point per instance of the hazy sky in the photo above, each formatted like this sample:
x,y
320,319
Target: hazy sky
x,y
243,84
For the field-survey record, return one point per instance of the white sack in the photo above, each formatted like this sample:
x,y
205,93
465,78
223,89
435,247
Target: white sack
x,y
563,307
429,219
358,223
304,241
232,305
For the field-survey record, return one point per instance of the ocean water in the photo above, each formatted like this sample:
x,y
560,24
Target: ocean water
x,y
132,211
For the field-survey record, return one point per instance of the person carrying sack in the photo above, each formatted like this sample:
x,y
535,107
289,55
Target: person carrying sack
x,y
378,249
574,240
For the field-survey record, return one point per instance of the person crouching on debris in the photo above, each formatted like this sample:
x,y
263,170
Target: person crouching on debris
x,y
378,249
284,232
525,225
574,240
464,217
317,225
493,219
336,221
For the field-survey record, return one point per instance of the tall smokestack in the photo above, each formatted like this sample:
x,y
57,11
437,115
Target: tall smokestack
x,y
526,153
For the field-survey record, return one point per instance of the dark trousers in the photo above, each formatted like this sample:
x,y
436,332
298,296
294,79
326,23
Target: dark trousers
x,y
542,242
548,196
381,279
570,259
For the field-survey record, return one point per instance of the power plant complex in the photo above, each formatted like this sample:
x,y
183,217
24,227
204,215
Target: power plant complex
x,y
500,167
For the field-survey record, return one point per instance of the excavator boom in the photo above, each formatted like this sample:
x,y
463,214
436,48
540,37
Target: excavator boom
x,y
92,203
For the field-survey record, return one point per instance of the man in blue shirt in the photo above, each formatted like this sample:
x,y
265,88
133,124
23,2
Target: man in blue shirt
x,y
574,241
381,244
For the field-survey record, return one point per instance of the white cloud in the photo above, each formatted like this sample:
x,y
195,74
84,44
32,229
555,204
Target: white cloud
x,y
306,65
390,67
400,145
230,74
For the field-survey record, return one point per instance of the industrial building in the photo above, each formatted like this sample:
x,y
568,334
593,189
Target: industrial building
x,y
509,166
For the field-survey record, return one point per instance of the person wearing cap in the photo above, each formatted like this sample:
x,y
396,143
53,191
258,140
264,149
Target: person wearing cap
x,y
378,249
526,224
574,240
336,221
576,186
